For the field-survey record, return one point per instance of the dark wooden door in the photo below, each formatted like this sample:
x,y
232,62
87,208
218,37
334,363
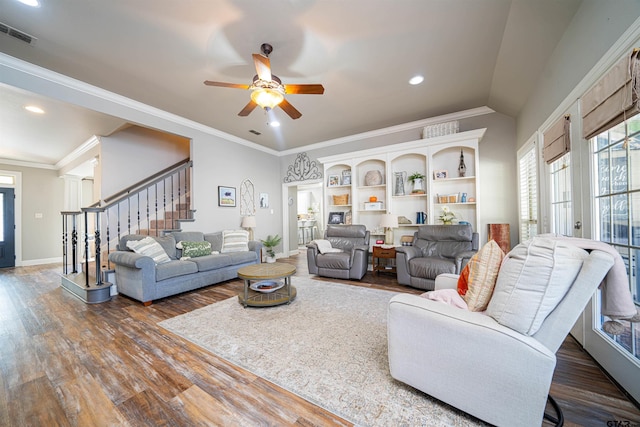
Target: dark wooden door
x,y
7,228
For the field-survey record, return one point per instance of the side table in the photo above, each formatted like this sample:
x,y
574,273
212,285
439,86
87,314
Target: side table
x,y
387,254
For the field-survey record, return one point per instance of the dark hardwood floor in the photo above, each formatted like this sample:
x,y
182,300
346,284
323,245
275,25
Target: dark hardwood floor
x,y
66,363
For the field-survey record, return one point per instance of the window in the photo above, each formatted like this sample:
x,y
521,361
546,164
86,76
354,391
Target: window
x,y
527,181
616,161
7,180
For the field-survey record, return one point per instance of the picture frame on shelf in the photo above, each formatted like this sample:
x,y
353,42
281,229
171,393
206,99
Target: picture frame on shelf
x,y
441,174
346,177
333,180
336,218
227,196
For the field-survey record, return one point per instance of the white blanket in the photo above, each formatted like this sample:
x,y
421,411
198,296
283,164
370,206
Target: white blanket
x,y
324,246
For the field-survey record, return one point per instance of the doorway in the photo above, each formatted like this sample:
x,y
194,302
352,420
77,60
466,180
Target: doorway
x,y
7,228
309,205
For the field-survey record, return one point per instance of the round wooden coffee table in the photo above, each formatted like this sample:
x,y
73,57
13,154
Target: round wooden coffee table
x,y
266,272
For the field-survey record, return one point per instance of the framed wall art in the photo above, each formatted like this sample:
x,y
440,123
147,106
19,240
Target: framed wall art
x,y
264,200
227,196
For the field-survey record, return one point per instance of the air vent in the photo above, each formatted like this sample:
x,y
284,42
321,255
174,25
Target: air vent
x,y
255,132
17,34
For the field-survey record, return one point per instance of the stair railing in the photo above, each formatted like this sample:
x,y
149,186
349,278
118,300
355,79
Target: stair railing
x,y
134,210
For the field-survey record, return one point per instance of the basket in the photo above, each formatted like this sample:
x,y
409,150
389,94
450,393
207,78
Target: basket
x,y
341,199
448,198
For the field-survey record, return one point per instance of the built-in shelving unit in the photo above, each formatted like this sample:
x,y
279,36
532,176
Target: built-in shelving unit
x,y
378,183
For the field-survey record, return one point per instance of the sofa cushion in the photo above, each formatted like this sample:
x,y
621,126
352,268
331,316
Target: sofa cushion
x,y
174,268
194,249
213,261
243,257
215,239
149,247
430,267
338,261
235,241
481,274
168,243
533,279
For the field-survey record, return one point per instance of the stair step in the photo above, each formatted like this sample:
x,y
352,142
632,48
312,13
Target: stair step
x,y
163,224
179,214
157,233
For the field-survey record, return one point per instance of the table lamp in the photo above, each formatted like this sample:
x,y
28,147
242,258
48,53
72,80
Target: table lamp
x,y
249,223
389,222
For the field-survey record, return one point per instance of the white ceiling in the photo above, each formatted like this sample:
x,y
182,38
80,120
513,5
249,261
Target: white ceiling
x,y
472,53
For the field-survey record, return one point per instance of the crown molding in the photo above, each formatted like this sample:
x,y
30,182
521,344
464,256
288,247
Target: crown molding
x,y
459,115
4,161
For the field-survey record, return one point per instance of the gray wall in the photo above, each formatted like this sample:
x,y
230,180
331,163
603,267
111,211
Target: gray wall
x,y
596,26
42,192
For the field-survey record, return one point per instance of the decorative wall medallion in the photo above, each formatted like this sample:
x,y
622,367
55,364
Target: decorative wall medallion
x,y
303,169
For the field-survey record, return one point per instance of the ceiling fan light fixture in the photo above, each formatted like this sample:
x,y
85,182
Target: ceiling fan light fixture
x,y
267,98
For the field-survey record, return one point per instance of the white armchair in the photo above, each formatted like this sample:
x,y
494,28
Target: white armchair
x,y
472,362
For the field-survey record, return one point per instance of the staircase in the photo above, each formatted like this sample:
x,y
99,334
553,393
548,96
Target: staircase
x,y
151,207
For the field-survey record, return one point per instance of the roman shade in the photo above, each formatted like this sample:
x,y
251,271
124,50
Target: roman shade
x,y
614,98
557,140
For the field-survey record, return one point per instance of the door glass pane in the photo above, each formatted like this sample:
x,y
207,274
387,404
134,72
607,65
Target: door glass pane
x,y
620,218
603,205
603,172
634,161
618,167
561,196
634,213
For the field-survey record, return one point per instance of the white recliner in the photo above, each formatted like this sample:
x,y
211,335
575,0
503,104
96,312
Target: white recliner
x,y
470,361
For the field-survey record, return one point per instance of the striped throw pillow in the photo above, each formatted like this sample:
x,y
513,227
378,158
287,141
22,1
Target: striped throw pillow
x,y
235,241
149,247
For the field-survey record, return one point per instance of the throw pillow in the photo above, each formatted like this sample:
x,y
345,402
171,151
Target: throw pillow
x,y
194,249
149,247
534,278
235,241
463,281
481,276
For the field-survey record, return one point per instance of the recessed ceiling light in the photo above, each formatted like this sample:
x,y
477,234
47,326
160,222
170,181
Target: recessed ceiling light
x,y
274,124
32,3
34,109
416,80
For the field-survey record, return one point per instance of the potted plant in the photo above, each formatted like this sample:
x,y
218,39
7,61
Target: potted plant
x,y
269,243
417,179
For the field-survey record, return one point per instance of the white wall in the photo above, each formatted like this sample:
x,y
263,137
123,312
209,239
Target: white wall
x,y
135,153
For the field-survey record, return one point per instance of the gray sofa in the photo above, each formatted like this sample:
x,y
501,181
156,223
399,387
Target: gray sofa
x,y
137,276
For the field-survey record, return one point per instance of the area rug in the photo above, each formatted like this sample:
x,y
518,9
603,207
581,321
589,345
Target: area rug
x,y
328,346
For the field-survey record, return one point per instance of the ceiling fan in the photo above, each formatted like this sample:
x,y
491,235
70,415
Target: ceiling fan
x,y
267,90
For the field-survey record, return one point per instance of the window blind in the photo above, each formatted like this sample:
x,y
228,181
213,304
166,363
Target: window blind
x,y
613,98
557,140
528,174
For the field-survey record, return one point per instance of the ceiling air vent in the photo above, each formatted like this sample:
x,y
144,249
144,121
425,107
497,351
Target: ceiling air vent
x,y
17,34
255,132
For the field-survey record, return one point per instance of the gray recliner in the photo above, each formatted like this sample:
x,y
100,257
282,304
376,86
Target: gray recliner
x,y
436,249
351,262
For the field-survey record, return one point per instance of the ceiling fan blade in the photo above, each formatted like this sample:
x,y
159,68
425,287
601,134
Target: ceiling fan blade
x,y
305,89
263,67
290,109
221,84
248,109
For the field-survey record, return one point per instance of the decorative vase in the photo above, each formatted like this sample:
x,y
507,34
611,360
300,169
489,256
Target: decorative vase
x,y
462,168
399,187
447,222
271,259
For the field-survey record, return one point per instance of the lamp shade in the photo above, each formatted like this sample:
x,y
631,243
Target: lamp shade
x,y
248,222
390,221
